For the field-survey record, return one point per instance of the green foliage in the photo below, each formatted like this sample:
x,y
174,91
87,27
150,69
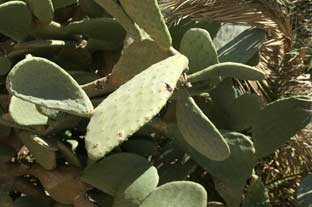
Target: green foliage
x,y
17,12
304,194
52,86
112,123
198,131
164,120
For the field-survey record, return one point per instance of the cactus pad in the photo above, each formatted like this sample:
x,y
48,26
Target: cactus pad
x,y
243,111
133,193
42,9
133,61
43,82
198,131
26,113
147,15
180,193
198,47
5,65
17,12
113,7
122,113
228,70
110,173
279,121
256,194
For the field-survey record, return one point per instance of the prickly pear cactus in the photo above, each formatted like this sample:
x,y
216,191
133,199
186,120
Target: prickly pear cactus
x,y
106,103
123,113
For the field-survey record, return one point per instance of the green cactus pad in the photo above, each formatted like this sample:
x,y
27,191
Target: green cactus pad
x,y
198,47
304,195
42,9
44,152
147,15
174,194
112,123
228,70
17,12
243,47
256,194
243,111
113,7
143,147
178,29
57,4
279,121
198,131
224,94
5,65
26,113
135,58
175,172
83,77
106,29
133,193
43,82
110,173
230,175
6,154
28,201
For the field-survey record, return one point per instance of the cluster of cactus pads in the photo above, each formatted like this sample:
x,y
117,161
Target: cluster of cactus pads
x,y
102,104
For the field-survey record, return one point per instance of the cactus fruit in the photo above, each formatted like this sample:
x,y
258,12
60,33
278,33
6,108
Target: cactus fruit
x,y
204,57
147,15
198,131
42,82
112,123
